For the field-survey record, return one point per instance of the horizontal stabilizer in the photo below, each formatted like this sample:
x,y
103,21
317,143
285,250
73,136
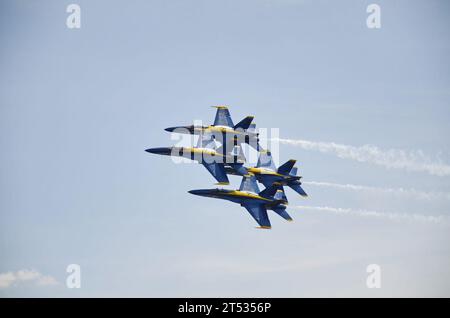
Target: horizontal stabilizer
x,y
297,188
283,213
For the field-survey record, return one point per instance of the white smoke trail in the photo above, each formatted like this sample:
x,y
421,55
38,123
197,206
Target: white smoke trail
x,y
423,195
366,213
390,158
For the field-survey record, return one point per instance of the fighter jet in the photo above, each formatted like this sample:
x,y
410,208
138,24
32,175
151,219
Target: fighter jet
x,y
257,203
224,130
267,173
211,157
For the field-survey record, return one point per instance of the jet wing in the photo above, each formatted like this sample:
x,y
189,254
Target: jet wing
x,y
218,171
223,117
259,213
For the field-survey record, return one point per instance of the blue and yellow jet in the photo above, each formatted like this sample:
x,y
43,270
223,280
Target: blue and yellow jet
x,y
212,158
224,130
268,174
256,202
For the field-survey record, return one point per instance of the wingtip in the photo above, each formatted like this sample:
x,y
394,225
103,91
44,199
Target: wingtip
x,y
263,227
220,106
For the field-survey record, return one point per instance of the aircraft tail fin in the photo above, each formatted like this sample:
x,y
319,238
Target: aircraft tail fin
x,y
244,123
265,160
280,195
223,117
271,191
252,128
254,142
286,167
293,172
249,184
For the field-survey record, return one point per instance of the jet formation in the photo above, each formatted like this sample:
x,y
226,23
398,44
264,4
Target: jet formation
x,y
228,159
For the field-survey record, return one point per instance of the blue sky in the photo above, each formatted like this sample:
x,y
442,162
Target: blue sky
x,y
79,107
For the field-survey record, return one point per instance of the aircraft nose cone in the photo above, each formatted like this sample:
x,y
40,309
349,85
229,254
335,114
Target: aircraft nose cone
x,y
170,129
200,192
158,151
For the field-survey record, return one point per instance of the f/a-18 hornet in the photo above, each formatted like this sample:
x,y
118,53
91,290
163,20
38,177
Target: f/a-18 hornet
x,y
267,173
256,202
223,129
212,158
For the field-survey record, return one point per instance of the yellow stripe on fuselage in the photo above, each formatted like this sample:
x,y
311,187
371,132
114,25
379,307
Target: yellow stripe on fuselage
x,y
224,130
206,151
246,195
201,151
260,171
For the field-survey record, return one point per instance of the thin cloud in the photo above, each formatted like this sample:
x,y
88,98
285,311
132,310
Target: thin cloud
x,y
439,219
389,158
9,279
411,193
